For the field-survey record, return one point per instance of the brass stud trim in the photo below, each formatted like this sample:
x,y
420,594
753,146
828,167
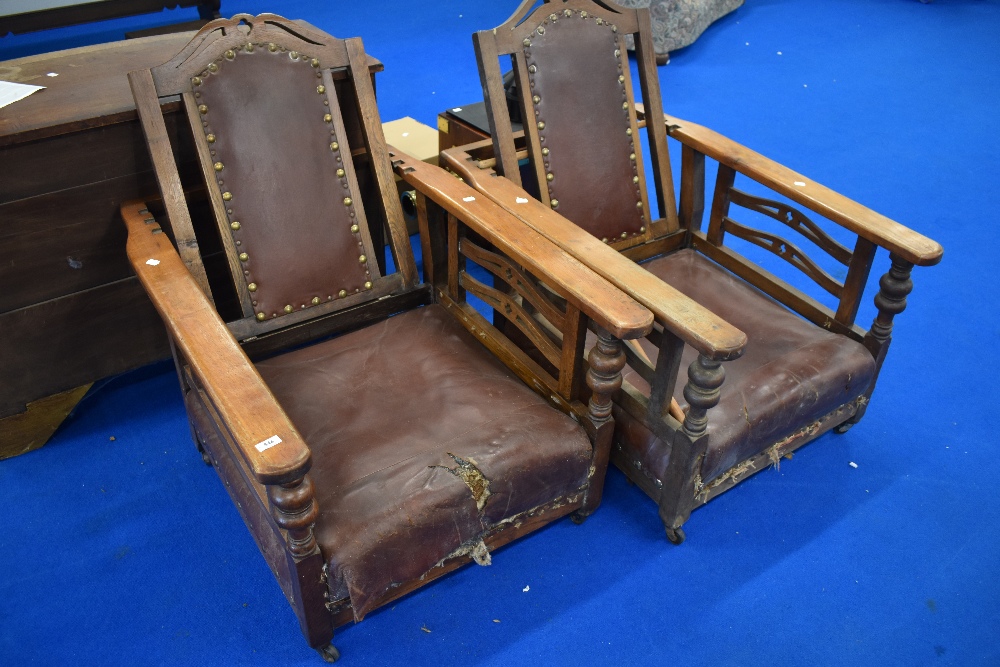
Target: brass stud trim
x,y
342,293
354,229
218,166
526,42
635,179
196,80
261,317
618,53
334,146
321,89
621,78
287,308
252,287
314,62
227,196
541,125
624,235
642,230
230,54
340,173
210,138
540,30
536,99
567,13
213,68
235,226
272,47
315,301
294,55
368,284
638,204
348,201
327,118
554,203
549,176
532,69
625,106
244,257
362,259
545,151
203,109
628,131
631,156
249,47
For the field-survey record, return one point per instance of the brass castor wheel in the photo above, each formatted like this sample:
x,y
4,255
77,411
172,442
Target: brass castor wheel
x,y
577,518
676,535
329,653
843,428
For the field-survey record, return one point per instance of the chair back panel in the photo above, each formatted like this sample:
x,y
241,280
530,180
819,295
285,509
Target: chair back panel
x,y
582,114
268,119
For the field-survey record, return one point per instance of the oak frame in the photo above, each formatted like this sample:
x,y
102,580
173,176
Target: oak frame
x,y
230,407
678,320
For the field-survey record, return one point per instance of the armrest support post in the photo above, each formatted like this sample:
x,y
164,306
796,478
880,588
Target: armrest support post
x,y
702,392
894,287
294,509
604,378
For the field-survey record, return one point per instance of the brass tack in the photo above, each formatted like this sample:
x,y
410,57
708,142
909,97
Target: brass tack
x,y
354,229
526,42
294,55
210,138
249,47
230,54
320,89
541,30
583,15
642,230
342,293
541,125
635,179
340,173
624,235
227,196
368,284
203,108
638,204
327,118
244,257
614,28
272,47
604,240
618,53
261,317
252,287
625,105
196,80
536,99
348,201
362,259
628,131
234,225
315,300
213,68
532,69
567,12
314,62
549,177
287,309
554,203
219,166
621,78
553,17
545,151
631,156
334,145
599,21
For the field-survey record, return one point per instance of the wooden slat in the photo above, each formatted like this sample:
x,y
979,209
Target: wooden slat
x,y
720,203
531,131
148,107
854,284
496,104
571,380
692,188
785,250
231,382
371,126
668,363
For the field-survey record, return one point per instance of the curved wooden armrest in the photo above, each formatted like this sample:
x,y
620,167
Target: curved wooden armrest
x,y
607,306
880,230
697,326
231,382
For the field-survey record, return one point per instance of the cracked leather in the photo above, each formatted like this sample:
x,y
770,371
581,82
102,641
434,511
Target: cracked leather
x,y
299,244
791,374
581,99
387,412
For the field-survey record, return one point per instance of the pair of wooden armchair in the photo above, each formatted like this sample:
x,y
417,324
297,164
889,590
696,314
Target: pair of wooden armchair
x,y
376,432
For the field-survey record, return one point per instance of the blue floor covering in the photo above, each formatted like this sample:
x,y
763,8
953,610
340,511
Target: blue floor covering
x,y
119,547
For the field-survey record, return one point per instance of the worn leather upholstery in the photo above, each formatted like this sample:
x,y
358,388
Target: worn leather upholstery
x,y
279,168
792,372
395,415
578,59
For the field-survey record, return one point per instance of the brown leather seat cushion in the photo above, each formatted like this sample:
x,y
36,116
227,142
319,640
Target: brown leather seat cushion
x,y
390,413
792,372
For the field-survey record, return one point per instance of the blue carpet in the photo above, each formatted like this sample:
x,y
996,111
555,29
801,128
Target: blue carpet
x,y
120,547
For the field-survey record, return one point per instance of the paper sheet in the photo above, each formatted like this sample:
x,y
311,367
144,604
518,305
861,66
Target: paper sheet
x,y
12,92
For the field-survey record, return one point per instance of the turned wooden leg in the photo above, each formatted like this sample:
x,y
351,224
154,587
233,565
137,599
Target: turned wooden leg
x,y
705,378
894,287
604,378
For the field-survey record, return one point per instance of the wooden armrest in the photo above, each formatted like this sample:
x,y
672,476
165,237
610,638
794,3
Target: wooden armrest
x,y
231,382
687,319
606,306
880,230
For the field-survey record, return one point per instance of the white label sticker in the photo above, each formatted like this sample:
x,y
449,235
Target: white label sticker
x,y
468,199
457,109
800,184
152,262
267,444
521,200
52,74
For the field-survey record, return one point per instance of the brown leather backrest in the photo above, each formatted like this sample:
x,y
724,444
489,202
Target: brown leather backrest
x,y
574,79
268,121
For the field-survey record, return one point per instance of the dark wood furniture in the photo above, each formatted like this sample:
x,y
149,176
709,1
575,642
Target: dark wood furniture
x,y
803,367
73,312
74,13
375,432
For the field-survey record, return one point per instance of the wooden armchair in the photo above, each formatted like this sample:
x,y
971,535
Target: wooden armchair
x,y
807,367
374,432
